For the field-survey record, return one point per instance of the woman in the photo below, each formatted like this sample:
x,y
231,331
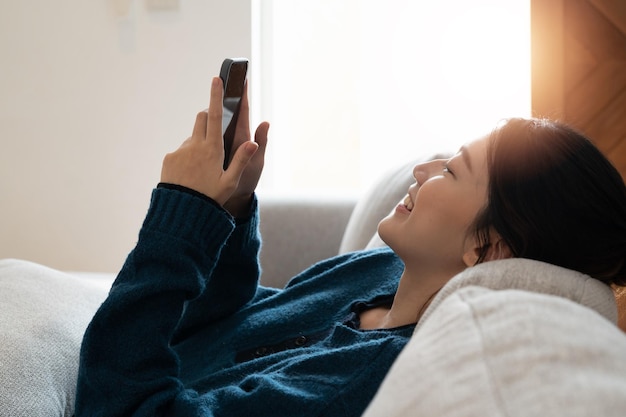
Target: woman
x,y
186,330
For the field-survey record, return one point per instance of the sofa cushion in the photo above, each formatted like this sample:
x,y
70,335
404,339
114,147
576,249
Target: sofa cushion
x,y
508,353
299,231
511,352
44,314
534,276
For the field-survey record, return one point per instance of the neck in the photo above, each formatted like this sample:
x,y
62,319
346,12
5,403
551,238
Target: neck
x,y
414,295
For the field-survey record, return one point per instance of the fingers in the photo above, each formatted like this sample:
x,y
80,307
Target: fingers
x,y
244,112
260,136
214,122
199,128
240,160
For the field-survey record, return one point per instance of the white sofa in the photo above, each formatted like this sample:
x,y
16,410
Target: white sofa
x,y
507,338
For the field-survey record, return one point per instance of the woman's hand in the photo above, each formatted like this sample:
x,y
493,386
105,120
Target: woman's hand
x,y
239,203
198,162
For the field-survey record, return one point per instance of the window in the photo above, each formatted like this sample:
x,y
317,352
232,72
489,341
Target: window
x,y
355,87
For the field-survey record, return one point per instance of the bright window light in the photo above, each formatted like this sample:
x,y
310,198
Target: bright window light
x,y
355,87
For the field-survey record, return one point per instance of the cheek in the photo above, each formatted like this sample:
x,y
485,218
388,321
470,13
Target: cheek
x,y
448,212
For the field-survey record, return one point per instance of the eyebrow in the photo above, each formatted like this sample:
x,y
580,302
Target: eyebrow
x,y
466,157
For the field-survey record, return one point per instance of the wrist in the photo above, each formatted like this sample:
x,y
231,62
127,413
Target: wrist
x,y
190,191
240,207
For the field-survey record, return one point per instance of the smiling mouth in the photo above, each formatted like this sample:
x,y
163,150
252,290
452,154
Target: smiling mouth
x,y
408,203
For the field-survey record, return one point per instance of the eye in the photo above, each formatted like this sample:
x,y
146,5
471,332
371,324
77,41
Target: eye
x,y
446,168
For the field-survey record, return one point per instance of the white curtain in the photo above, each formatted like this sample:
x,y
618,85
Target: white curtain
x,y
354,87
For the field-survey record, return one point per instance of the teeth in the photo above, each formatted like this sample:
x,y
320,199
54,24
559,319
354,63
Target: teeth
x,y
408,203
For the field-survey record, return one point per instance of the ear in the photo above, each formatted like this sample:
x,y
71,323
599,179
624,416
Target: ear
x,y
496,250
470,257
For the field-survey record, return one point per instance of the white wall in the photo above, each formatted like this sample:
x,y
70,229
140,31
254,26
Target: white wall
x,y
90,102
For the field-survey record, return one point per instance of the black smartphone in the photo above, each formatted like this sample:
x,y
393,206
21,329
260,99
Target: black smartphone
x,y
233,75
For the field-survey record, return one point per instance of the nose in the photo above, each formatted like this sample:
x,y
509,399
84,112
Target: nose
x,y
422,172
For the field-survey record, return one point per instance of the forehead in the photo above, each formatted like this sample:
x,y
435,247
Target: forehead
x,y
476,151
475,155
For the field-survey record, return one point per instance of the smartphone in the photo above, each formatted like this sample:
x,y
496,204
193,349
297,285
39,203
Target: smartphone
x,y
233,74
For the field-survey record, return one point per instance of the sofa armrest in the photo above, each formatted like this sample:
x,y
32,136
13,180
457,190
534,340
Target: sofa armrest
x,y
299,231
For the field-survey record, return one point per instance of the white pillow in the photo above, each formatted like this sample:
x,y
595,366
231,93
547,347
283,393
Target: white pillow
x,y
43,315
508,353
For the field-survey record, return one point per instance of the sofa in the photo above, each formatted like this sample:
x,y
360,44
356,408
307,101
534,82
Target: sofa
x,y
505,338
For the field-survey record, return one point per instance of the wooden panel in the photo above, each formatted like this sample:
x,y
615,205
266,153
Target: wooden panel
x,y
620,297
589,98
589,25
579,69
614,10
547,58
581,62
595,73
579,75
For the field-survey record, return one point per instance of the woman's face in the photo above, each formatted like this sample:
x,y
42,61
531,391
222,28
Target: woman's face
x,y
430,227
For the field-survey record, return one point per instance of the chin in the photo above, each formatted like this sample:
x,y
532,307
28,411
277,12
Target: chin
x,y
383,229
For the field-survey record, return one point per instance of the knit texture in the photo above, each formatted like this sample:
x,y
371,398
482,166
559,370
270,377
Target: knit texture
x,y
186,330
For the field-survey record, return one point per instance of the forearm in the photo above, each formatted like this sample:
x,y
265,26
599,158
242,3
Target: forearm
x,y
233,282
126,360
237,272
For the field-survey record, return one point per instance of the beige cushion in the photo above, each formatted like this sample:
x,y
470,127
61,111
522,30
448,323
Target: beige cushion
x,y
44,314
510,352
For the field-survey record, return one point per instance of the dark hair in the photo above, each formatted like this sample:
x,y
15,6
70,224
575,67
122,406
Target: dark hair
x,y
554,197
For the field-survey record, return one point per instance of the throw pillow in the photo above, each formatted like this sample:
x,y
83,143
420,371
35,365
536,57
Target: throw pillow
x,y
43,315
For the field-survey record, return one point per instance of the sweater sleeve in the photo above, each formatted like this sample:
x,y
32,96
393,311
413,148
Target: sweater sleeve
x,y
233,281
127,365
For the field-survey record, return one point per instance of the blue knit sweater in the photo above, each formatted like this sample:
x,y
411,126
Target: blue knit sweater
x,y
187,331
